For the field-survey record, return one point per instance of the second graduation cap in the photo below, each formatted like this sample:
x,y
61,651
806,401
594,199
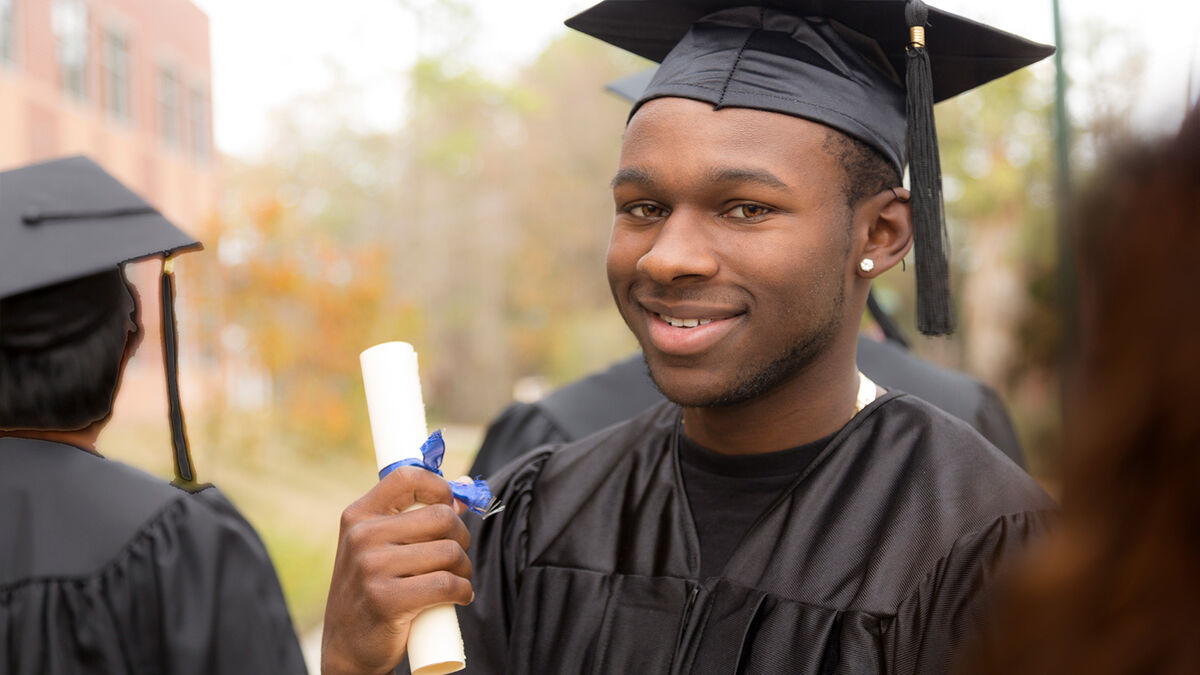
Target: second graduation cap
x,y
64,225
871,69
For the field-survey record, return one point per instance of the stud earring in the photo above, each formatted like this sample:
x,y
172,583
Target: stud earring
x,y
866,265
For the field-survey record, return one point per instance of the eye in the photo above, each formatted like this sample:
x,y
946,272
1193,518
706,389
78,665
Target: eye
x,y
644,210
748,212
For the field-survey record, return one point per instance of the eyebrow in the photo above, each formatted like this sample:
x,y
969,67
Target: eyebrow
x,y
631,175
757,176
726,175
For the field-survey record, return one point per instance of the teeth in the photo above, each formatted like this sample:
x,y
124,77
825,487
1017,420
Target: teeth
x,y
684,323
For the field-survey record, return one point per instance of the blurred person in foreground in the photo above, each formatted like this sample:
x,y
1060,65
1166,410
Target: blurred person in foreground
x,y
104,568
1116,589
780,512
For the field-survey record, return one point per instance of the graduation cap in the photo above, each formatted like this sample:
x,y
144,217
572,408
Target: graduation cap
x,y
871,69
631,87
63,225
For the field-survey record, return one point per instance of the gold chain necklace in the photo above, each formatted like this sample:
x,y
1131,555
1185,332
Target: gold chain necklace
x,y
866,393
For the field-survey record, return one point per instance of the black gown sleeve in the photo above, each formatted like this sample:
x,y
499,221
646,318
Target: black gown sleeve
x,y
948,607
499,547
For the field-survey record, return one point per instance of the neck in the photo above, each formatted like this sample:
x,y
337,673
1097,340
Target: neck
x,y
812,404
80,438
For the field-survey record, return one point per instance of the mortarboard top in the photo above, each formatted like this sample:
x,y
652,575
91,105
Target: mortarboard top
x,y
67,220
871,69
793,58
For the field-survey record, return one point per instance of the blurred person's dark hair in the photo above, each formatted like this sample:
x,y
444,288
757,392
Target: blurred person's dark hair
x,y
59,370
1115,589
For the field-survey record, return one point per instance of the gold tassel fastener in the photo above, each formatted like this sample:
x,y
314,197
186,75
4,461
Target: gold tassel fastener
x,y
916,36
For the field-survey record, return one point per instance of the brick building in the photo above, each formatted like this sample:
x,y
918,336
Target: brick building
x,y
128,83
125,81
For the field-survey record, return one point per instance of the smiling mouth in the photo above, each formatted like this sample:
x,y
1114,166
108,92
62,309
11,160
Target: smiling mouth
x,y
683,323
687,337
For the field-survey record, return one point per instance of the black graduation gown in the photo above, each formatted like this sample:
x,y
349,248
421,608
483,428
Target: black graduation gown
x,y
625,389
873,561
106,569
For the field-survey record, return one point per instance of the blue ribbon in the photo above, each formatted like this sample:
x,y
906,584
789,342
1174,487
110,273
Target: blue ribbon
x,y
475,494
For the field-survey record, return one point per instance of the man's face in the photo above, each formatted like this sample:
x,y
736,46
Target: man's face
x,y
729,250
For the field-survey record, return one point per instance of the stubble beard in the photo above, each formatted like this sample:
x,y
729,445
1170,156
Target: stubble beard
x,y
761,379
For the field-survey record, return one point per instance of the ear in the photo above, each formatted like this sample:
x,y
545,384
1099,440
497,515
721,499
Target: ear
x,y
887,217
135,332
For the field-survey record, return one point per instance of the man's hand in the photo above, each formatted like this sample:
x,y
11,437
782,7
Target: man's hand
x,y
390,565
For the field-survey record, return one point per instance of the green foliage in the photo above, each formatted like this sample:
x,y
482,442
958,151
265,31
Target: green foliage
x,y
998,148
305,304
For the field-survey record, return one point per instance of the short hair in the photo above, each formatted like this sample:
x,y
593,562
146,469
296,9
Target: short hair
x,y
865,170
69,385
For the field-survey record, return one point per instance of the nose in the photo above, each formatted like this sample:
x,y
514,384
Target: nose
x,y
681,249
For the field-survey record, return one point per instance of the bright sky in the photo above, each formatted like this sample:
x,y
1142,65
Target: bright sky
x,y
268,52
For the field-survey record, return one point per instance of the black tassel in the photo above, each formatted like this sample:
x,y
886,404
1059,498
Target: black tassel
x,y
934,312
185,472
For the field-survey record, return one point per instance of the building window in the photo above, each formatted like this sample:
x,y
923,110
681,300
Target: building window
x,y
168,106
201,143
8,47
116,75
69,20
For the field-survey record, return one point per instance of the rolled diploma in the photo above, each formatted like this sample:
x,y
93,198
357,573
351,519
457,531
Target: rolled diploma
x,y
397,412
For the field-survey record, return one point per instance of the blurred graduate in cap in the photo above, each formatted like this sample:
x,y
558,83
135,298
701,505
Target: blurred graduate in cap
x,y
103,568
780,512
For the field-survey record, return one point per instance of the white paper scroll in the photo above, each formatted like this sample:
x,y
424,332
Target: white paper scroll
x,y
397,413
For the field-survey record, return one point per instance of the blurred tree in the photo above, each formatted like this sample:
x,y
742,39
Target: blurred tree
x,y
510,211
476,231
998,157
294,306
568,149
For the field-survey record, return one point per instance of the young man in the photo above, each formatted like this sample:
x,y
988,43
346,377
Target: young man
x,y
782,513
103,568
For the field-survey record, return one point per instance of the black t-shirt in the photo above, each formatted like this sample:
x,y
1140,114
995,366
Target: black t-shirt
x,y
727,493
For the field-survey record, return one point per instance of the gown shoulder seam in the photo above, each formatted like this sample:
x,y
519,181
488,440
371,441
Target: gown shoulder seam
x,y
954,545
